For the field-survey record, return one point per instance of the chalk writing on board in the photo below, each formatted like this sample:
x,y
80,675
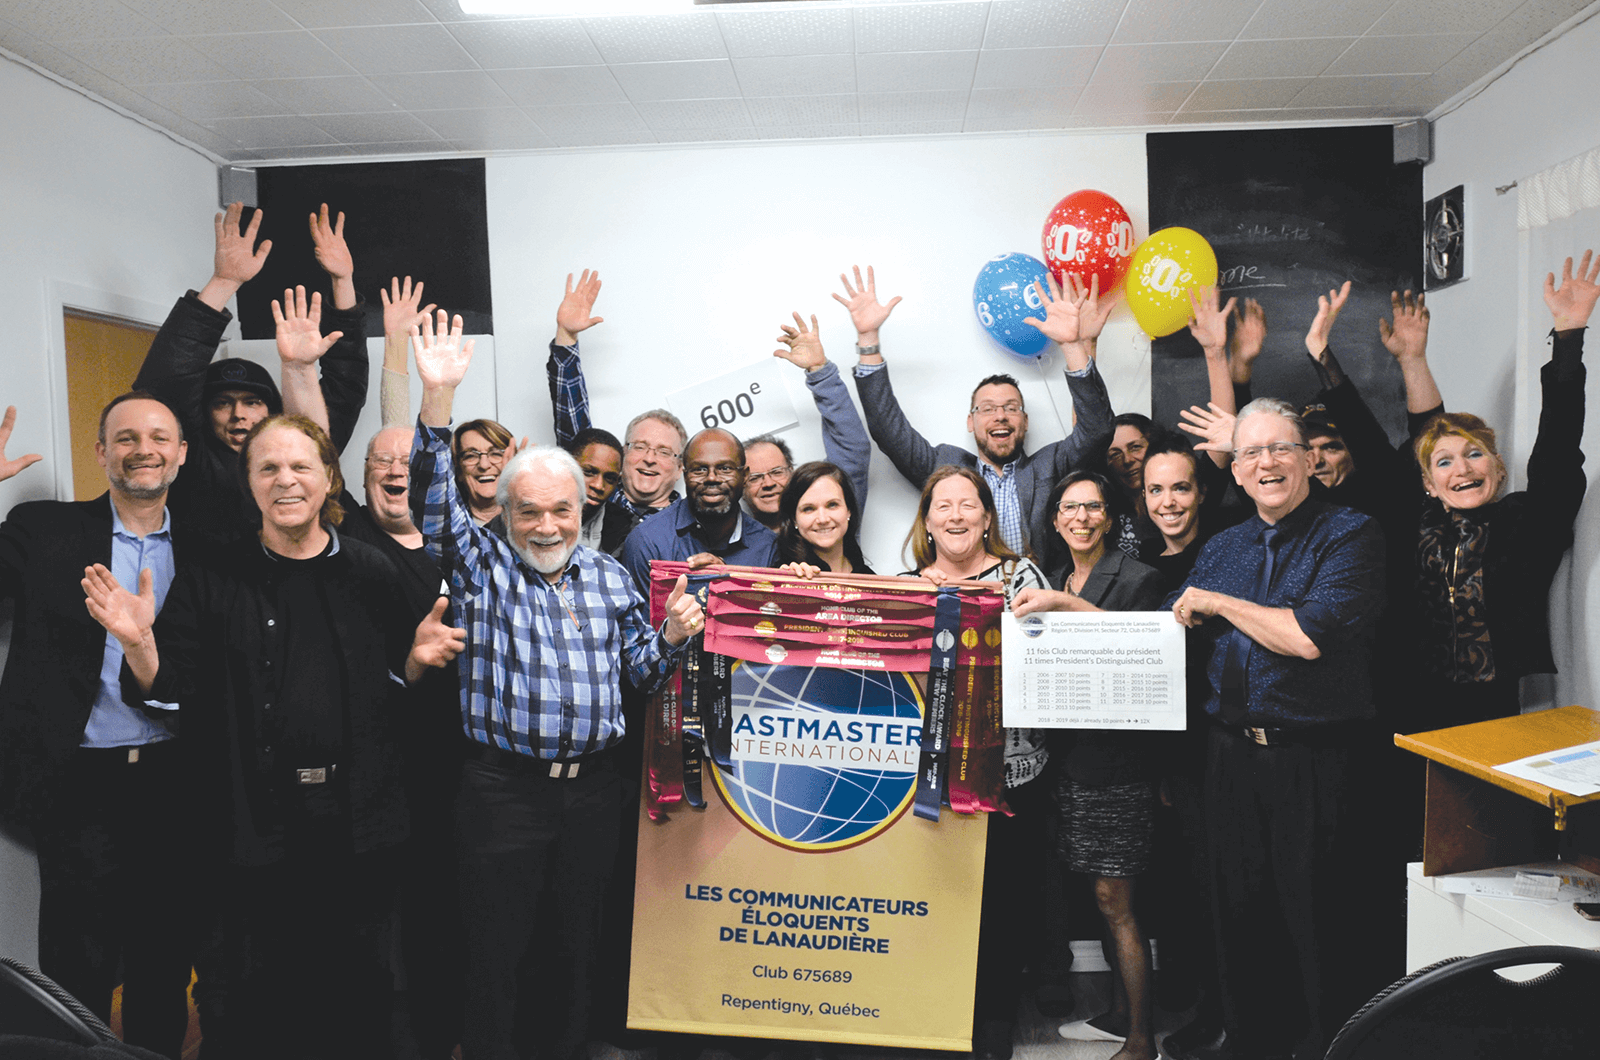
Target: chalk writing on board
x,y
1243,278
1260,233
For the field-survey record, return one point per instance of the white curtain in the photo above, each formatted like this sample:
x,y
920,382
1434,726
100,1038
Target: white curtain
x,y
1558,213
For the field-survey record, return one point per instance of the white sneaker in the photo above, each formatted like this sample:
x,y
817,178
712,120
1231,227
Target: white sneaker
x,y
1084,1031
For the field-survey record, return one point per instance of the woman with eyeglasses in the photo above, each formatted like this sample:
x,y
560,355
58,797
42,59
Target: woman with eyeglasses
x,y
1106,790
955,536
482,448
818,520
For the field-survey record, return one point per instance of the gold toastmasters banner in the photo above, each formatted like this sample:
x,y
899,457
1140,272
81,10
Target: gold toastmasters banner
x,y
801,871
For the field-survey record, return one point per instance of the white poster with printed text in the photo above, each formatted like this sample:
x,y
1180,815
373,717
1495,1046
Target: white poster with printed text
x,y
1105,670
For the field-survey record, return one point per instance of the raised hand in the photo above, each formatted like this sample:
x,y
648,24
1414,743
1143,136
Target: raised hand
x,y
1211,423
866,312
238,259
435,643
327,241
299,334
1407,338
1572,303
442,356
1208,319
402,307
1072,315
684,616
1092,311
1249,332
8,468
572,315
1328,307
124,615
803,346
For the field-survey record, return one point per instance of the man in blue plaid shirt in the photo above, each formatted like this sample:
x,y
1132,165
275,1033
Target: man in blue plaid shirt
x,y
553,629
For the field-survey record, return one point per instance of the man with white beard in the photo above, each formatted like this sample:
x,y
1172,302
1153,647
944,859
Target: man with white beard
x,y
554,629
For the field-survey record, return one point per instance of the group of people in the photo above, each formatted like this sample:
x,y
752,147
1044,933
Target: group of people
x,y
246,717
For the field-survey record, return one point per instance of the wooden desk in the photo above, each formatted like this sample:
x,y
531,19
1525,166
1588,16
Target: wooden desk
x,y
1477,818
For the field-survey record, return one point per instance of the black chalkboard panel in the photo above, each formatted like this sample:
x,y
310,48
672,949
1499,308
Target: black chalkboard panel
x,y
1292,213
427,219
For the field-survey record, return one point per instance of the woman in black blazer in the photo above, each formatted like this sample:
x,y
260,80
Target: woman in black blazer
x,y
1106,788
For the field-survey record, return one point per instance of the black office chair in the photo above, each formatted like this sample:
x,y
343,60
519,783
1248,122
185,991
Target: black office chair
x,y
39,1019
1462,1007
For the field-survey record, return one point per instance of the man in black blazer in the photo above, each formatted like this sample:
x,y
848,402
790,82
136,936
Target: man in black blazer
x,y
96,779
1021,481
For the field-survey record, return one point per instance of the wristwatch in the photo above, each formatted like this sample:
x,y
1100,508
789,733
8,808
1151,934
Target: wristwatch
x,y
867,351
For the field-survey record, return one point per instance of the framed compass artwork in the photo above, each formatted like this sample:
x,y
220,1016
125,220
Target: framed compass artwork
x,y
1444,235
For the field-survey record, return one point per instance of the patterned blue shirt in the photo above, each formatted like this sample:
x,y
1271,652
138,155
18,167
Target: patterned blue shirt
x,y
544,663
112,722
1003,484
1329,571
569,394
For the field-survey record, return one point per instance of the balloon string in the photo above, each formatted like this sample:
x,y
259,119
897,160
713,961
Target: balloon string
x,y
1043,361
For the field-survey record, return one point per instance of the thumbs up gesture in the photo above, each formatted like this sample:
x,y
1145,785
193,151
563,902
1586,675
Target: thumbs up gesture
x,y
684,616
435,644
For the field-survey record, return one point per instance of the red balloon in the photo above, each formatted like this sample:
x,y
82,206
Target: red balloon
x,y
1089,233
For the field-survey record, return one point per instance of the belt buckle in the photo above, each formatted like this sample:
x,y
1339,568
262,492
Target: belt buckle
x,y
1259,735
318,775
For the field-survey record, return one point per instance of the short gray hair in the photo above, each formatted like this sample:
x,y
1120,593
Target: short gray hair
x,y
662,416
547,457
1268,406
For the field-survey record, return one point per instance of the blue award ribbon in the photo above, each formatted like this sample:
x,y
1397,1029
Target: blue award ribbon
x,y
932,763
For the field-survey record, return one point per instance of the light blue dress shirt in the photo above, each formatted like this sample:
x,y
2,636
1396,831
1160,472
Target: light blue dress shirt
x,y
113,723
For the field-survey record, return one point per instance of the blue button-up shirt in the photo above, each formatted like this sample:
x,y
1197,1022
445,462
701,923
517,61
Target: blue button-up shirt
x,y
1008,509
674,533
544,663
112,722
1329,572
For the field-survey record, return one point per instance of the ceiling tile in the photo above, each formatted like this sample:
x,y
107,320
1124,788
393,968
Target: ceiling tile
x,y
1156,62
146,60
1258,94
803,110
1050,23
527,42
911,127
1019,67
597,138
816,32
55,20
1223,117
53,59
213,99
915,71
451,90
1284,19
213,16
692,79
505,140
388,127
274,55
320,14
383,49
506,123
789,74
1431,16
1155,21
325,95
695,114
697,136
560,84
1342,115
1148,99
1279,58
1024,120
920,28
811,132
297,153
587,122
647,38
258,133
407,147
912,106
1355,91
1401,55
987,103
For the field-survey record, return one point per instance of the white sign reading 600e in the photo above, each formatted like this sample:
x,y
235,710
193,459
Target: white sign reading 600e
x,y
749,400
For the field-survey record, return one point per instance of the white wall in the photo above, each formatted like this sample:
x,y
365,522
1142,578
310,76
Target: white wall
x,y
108,214
1518,126
704,252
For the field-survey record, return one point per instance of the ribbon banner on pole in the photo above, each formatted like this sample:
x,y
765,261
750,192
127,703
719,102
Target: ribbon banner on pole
x,y
783,889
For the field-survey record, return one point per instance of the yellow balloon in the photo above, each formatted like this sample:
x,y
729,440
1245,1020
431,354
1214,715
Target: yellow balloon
x,y
1160,275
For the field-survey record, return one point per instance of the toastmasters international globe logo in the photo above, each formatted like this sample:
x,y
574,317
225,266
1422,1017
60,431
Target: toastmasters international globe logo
x,y
823,758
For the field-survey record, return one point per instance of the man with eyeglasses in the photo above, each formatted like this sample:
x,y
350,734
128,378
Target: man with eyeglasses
x,y
997,419
1283,607
709,521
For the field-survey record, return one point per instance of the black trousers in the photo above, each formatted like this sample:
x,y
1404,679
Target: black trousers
x,y
1286,827
1011,927
516,832
112,891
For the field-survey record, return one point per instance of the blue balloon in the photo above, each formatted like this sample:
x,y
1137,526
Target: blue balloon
x,y
1004,294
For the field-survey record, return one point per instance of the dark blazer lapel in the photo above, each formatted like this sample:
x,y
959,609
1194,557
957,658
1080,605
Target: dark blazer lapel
x,y
1103,577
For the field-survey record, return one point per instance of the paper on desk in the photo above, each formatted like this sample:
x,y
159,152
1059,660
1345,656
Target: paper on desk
x,y
1574,770
1545,882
